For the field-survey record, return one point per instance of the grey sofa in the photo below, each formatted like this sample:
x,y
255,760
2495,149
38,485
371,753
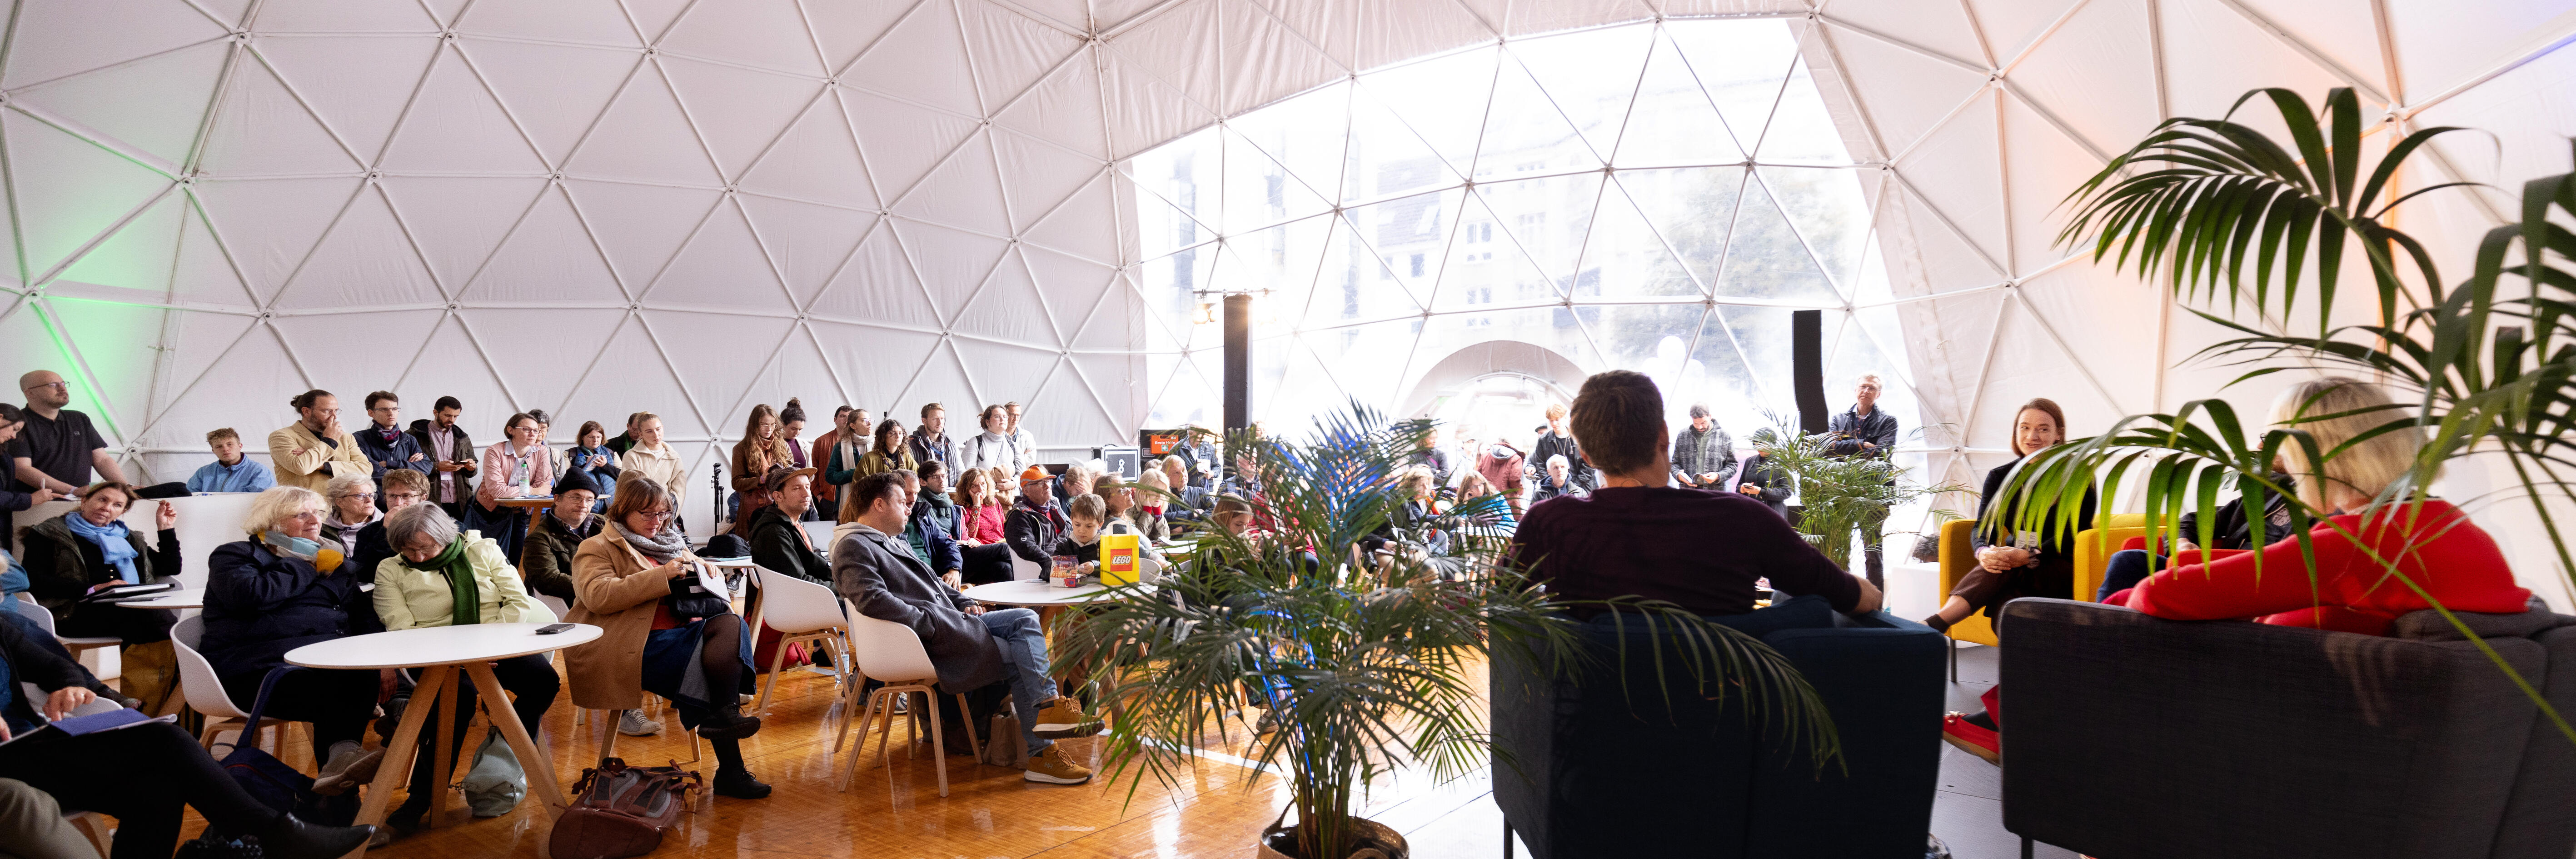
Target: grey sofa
x,y
2130,737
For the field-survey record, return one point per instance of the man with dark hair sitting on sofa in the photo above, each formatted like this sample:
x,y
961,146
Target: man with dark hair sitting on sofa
x,y
1639,536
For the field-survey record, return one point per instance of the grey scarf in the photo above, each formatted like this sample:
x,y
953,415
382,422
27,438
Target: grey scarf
x,y
661,547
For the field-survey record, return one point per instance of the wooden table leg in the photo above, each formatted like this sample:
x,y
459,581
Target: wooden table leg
x,y
397,764
496,704
445,754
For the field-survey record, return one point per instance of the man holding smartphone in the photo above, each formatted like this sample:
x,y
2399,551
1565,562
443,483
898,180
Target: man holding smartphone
x,y
451,453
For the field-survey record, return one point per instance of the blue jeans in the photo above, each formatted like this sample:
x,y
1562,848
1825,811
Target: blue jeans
x,y
2125,570
1024,654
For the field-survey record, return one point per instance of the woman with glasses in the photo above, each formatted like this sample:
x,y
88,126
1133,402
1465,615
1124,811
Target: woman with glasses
x,y
353,507
516,466
662,631
271,593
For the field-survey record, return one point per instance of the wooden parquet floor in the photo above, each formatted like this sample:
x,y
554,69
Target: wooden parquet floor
x,y
990,812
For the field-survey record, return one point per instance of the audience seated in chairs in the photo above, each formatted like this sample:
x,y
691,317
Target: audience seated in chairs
x,y
1637,536
640,585
264,597
230,472
1034,521
352,498
2444,557
314,449
1120,499
444,577
518,465
981,538
87,549
971,646
2010,564
142,775
403,488
386,445
778,542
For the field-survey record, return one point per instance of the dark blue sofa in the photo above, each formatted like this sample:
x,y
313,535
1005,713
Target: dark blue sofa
x,y
1586,769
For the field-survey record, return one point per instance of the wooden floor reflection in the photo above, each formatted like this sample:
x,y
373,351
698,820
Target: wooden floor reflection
x,y
990,813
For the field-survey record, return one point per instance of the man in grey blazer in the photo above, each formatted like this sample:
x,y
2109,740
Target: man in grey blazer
x,y
971,646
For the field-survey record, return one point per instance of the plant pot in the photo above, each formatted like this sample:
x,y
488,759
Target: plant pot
x,y
1376,841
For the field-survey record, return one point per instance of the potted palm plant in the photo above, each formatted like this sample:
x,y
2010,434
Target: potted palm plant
x,y
1361,642
1837,492
2221,213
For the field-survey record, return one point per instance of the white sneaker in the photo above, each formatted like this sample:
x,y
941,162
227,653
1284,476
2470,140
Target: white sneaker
x,y
633,724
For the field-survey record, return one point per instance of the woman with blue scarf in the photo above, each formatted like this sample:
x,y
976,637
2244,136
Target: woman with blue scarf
x,y
87,549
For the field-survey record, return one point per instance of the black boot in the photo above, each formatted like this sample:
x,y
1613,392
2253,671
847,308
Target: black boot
x,y
728,723
738,784
289,838
1937,624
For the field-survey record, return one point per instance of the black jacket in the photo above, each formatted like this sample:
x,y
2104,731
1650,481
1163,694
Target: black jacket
x,y
778,543
1031,531
372,549
473,457
2234,532
62,567
1849,429
260,604
1577,472
1776,482
2052,540
936,537
545,556
388,456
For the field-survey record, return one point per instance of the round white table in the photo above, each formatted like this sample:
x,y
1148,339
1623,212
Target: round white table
x,y
442,651
178,599
1037,593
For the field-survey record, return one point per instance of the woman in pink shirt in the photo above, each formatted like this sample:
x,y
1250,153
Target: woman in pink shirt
x,y
517,465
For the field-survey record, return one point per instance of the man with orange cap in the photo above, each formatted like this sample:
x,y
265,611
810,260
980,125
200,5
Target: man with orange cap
x,y
1034,521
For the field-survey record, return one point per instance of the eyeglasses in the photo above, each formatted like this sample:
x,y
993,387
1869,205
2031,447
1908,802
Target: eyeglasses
x,y
656,515
59,386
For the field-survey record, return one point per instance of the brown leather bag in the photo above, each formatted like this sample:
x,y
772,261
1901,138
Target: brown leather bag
x,y
623,810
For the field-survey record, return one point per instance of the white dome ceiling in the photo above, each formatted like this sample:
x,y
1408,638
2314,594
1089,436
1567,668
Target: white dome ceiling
x,y
595,206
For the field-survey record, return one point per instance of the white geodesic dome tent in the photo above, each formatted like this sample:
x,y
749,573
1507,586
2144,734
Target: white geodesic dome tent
x,y
690,206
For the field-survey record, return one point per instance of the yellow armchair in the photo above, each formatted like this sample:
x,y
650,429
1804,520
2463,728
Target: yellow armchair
x,y
2093,548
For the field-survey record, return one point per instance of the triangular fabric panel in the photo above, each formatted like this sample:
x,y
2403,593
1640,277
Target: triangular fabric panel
x,y
922,61
351,356
1047,175
547,352
346,81
548,257
1064,107
260,129
270,225
1008,307
452,365
965,191
555,92
722,266
585,21
722,350
875,362
460,222
351,267
902,141
135,263
87,192
72,43
768,34
645,136
741,113
640,226
154,106
952,264
630,374
878,285
809,242
455,125
818,159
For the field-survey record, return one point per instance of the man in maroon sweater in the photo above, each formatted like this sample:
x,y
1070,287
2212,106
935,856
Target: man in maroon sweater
x,y
1638,536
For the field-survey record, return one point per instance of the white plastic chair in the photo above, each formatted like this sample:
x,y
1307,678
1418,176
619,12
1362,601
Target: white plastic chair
x,y
45,618
820,533
889,652
205,690
1025,570
801,611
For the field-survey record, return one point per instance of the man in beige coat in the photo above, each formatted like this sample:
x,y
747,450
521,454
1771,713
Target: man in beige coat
x,y
313,449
